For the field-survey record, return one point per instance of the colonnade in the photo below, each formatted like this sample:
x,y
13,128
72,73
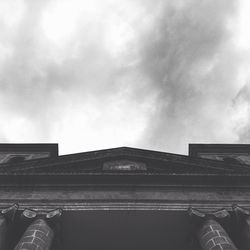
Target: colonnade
x,y
34,231
219,230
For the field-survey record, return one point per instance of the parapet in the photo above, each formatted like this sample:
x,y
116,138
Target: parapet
x,y
11,153
231,153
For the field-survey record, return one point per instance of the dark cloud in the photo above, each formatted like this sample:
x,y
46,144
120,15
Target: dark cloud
x,y
192,66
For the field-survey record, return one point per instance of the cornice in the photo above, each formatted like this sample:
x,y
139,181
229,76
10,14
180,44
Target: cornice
x,y
115,206
126,179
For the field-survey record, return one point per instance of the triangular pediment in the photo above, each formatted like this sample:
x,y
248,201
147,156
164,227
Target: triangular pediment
x,y
123,160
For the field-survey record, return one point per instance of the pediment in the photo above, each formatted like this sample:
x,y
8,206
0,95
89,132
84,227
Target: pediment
x,y
123,160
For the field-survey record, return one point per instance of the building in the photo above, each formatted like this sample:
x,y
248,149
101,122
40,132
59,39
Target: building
x,y
125,198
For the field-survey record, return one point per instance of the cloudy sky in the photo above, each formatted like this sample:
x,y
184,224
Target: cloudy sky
x,y
94,74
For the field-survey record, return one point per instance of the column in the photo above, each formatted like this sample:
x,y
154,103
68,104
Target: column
x,y
6,220
210,234
40,233
242,226
22,223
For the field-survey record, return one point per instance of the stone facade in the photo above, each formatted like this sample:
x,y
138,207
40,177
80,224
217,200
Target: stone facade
x,y
125,198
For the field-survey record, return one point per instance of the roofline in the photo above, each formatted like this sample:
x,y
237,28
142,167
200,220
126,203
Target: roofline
x,y
196,148
126,151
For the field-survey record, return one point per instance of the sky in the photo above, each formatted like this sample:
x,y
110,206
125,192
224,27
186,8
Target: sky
x,y
153,74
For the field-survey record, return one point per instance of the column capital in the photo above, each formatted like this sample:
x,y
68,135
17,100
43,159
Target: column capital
x,y
9,212
221,216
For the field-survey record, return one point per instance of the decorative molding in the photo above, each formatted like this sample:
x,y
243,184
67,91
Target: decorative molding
x,y
124,165
6,157
41,207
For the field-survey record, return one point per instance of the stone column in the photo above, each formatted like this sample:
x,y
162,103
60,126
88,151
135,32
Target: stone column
x,y
41,232
242,217
210,234
6,220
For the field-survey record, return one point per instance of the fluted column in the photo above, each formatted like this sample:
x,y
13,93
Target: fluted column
x,y
6,219
41,232
209,232
243,227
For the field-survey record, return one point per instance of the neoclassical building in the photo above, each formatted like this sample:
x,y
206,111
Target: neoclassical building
x,y
125,198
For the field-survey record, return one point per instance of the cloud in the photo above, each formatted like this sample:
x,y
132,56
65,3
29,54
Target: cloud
x,y
71,87
90,75
241,105
191,60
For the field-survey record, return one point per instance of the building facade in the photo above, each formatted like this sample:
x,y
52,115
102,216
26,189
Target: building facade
x,y
125,198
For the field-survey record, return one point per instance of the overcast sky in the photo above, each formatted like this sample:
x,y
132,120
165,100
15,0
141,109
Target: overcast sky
x,y
96,74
